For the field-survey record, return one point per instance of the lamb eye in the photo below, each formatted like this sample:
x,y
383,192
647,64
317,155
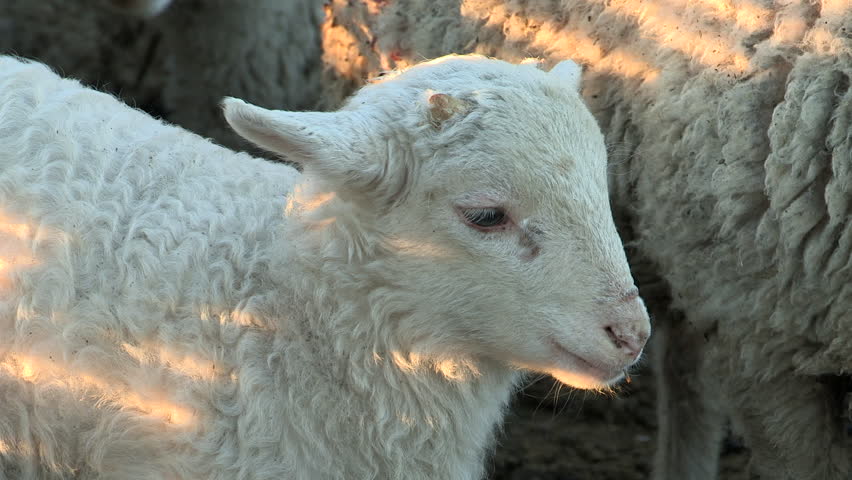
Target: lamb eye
x,y
485,217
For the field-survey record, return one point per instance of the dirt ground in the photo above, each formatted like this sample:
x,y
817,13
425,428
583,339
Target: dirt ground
x,y
568,434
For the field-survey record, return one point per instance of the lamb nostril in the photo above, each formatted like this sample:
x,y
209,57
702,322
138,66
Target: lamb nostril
x,y
614,337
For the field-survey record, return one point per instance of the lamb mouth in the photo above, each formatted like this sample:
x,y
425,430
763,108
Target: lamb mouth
x,y
586,368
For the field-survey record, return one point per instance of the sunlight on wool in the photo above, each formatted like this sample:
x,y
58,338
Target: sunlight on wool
x,y
307,205
583,48
302,200
374,7
15,251
8,262
825,42
27,371
411,422
406,419
790,30
236,317
321,224
661,21
834,8
17,230
454,369
416,248
245,319
554,41
747,16
668,30
183,363
340,46
36,369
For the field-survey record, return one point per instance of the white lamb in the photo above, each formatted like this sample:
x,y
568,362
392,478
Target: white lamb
x,y
171,309
737,191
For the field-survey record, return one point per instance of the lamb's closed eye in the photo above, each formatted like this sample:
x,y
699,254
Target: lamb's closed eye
x,y
485,218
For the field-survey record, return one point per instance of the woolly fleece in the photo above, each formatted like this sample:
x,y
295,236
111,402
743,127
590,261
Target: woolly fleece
x,y
731,126
172,309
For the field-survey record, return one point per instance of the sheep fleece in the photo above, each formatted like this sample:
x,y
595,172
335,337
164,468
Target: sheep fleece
x,y
112,219
158,327
732,169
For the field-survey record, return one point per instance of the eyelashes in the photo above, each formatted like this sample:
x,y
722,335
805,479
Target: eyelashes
x,y
485,218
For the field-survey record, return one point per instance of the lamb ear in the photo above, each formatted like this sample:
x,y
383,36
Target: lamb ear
x,y
570,72
338,147
302,137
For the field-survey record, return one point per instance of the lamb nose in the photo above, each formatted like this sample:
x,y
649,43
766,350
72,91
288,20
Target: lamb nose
x,y
629,343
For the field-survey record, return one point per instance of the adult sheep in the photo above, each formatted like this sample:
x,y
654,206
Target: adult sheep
x,y
173,309
177,58
81,39
266,52
734,117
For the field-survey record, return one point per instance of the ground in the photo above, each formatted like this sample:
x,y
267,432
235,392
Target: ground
x,y
567,434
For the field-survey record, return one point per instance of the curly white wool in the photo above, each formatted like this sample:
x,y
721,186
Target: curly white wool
x,y
171,309
733,118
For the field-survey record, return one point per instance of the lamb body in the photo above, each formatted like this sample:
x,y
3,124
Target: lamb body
x,y
733,124
172,309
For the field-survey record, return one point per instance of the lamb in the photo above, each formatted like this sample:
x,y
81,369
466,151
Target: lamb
x,y
178,58
172,309
733,188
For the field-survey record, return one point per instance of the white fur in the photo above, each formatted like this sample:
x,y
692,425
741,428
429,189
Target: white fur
x,y
570,71
171,309
732,120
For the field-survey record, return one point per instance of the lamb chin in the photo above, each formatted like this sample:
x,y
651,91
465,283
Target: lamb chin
x,y
585,381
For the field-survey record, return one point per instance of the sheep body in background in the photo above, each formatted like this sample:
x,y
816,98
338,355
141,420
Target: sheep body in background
x,y
177,58
81,39
265,51
171,309
733,185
